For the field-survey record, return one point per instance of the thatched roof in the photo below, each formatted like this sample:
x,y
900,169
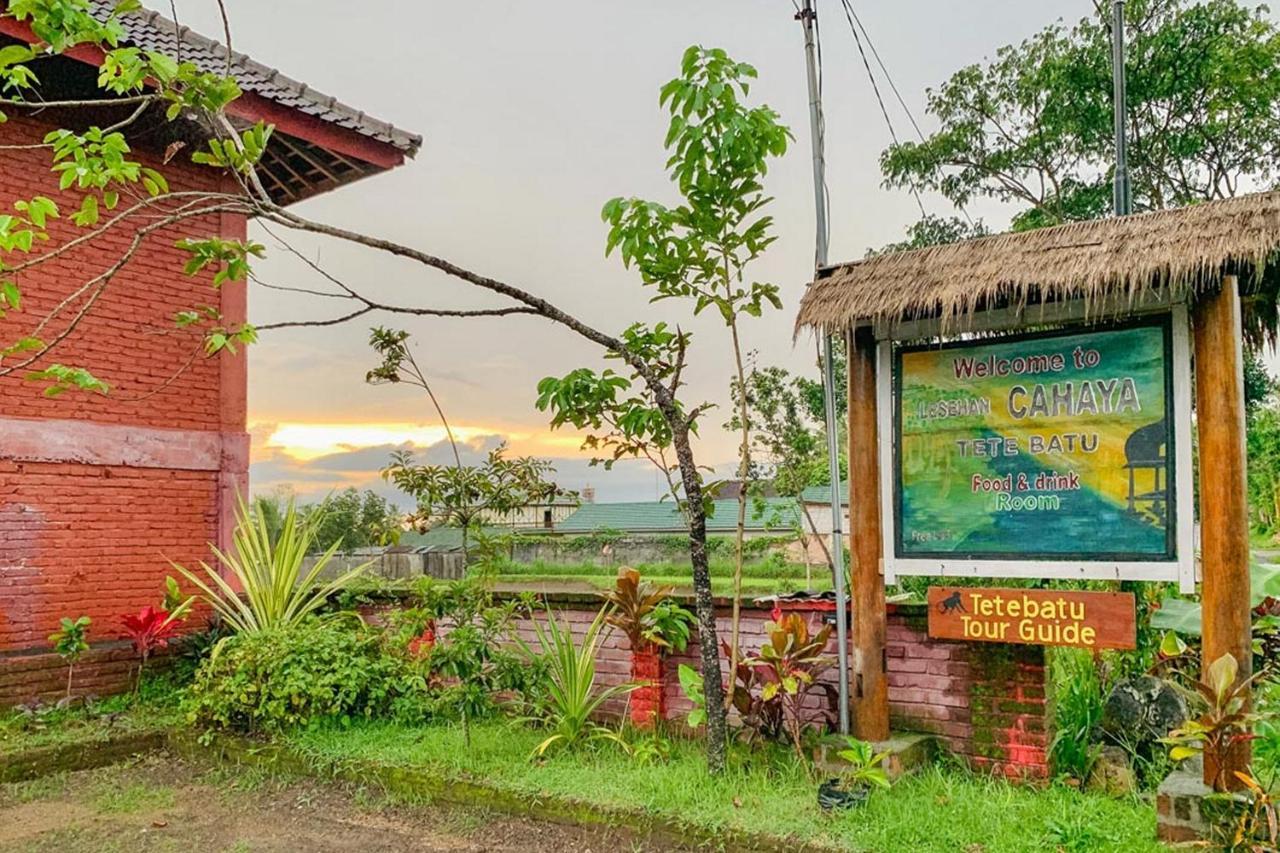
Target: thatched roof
x,y
1111,264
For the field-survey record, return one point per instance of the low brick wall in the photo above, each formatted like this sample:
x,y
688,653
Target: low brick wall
x,y
985,701
105,669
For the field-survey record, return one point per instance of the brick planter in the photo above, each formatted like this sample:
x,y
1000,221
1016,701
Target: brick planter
x,y
647,701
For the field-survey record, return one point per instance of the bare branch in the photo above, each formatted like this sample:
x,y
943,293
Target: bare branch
x,y
183,368
89,102
302,324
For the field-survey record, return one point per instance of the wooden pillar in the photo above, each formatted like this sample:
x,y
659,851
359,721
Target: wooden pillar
x,y
1224,533
869,689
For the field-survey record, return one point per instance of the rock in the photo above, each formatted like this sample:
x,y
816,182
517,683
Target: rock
x,y
1112,774
1140,710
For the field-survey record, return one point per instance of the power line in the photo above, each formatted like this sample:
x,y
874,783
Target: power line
x,y
875,87
887,76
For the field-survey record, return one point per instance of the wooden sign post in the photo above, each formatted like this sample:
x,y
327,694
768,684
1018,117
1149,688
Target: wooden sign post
x,y
1224,553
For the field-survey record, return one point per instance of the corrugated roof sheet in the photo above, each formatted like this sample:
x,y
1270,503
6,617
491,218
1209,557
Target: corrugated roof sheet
x,y
664,517
822,494
150,30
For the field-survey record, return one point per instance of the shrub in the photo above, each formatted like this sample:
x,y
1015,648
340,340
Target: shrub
x,y
470,666
646,613
314,671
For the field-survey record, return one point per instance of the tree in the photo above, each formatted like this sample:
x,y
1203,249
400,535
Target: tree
x,y
619,412
351,519
70,642
115,192
1033,127
466,496
934,231
700,249
787,437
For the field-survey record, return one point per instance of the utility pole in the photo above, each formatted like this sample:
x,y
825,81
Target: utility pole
x,y
1122,195
808,18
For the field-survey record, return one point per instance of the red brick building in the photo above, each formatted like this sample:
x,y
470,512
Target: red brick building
x,y
98,493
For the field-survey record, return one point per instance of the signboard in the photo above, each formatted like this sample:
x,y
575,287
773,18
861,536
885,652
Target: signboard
x,y
1056,454
1039,617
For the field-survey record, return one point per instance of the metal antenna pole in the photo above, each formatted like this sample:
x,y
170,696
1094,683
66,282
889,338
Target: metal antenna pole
x,y
1123,199
808,19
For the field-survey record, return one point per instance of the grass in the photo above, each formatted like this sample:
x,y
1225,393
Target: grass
x,y
112,798
153,709
40,788
939,809
761,578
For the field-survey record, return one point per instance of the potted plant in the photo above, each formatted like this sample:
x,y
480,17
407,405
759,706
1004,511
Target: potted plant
x,y
852,787
654,625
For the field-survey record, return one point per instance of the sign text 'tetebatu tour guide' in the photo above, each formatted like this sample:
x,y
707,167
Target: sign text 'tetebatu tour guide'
x,y
1049,448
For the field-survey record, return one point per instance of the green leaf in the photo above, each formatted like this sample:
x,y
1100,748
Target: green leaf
x,y
10,294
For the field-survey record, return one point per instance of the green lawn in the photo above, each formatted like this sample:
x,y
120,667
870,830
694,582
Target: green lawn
x,y
758,578
154,709
942,809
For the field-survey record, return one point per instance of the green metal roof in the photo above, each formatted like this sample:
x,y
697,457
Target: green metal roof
x,y
664,517
443,538
822,494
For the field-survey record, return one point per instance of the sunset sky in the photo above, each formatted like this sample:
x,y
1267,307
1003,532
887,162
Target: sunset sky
x,y
534,114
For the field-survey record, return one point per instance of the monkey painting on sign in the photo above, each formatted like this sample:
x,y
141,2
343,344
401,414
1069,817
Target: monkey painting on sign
x,y
952,604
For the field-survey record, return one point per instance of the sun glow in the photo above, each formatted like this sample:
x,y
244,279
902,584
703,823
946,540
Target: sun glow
x,y
306,441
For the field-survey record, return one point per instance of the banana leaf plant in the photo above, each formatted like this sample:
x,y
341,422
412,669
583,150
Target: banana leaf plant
x,y
1223,722
633,604
1183,614
788,665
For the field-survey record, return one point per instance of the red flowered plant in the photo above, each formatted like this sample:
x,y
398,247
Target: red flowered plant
x,y
148,630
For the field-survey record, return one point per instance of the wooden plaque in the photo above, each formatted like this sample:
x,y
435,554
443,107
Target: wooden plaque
x,y
1037,617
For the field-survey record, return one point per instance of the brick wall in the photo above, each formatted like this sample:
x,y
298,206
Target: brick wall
x,y
98,493
119,339
985,701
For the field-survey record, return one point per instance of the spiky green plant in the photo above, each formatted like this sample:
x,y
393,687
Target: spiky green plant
x,y
266,565
570,696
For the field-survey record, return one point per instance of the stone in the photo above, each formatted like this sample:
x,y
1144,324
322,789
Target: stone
x,y
1112,773
1179,818
907,752
1141,710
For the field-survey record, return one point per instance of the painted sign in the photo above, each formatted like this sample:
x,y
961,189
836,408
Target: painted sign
x,y
1044,447
1038,617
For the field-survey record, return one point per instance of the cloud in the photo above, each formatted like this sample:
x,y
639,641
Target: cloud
x,y
311,479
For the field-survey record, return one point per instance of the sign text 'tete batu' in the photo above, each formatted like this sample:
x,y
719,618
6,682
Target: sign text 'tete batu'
x,y
1039,617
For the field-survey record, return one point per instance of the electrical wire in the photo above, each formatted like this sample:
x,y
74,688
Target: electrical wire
x,y
885,71
894,86
875,87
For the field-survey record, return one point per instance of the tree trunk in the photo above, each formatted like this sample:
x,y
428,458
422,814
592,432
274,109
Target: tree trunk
x,y
704,607
822,540
744,471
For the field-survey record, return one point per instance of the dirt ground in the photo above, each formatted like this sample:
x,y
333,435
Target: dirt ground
x,y
162,804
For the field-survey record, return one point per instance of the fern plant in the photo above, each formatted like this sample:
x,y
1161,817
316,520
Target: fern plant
x,y
270,588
